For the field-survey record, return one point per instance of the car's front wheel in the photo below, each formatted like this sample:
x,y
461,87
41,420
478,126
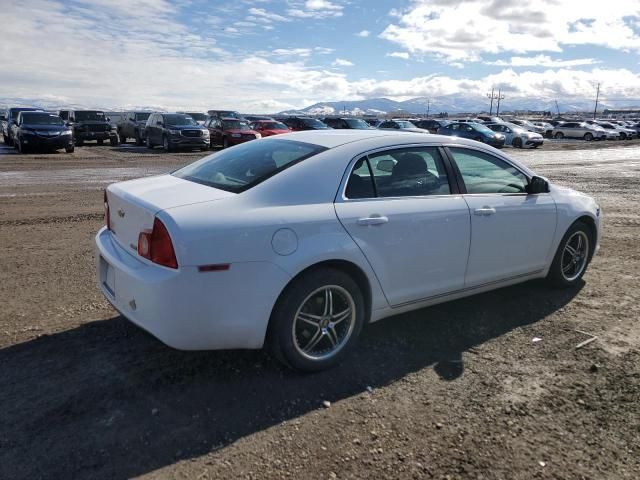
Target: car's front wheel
x,y
573,256
588,137
559,135
70,149
317,320
517,142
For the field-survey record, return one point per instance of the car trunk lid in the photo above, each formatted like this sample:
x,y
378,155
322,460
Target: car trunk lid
x,y
134,204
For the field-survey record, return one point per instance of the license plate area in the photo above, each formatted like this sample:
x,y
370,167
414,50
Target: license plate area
x,y
108,277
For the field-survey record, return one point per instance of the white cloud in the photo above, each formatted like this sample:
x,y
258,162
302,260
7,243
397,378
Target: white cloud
x,y
317,9
463,30
263,15
543,61
363,33
341,62
404,55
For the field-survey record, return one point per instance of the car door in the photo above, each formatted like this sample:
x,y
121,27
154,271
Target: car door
x,y
409,221
511,231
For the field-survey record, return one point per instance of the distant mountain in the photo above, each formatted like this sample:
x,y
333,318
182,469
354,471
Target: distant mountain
x,y
453,104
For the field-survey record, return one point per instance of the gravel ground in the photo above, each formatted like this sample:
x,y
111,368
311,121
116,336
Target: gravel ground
x,y
459,390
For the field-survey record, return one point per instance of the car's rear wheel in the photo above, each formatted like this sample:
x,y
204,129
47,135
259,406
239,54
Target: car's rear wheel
x,y
317,320
588,137
573,256
623,136
69,149
517,143
559,135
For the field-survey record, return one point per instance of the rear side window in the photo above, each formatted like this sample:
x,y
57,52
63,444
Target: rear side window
x,y
407,172
244,166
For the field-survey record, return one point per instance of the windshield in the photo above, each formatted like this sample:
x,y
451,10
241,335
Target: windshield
x,y
235,125
142,117
481,128
405,124
273,126
198,117
312,122
82,116
357,123
178,119
241,167
41,119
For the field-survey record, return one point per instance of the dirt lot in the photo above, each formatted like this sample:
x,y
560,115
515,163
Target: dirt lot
x,y
460,390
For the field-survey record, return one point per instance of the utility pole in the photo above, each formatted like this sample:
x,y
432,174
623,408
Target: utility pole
x,y
499,97
428,106
557,108
595,110
492,97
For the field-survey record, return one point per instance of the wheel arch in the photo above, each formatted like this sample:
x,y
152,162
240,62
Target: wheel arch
x,y
590,222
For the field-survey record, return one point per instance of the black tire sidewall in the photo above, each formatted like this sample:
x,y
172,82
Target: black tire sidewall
x,y
555,276
282,317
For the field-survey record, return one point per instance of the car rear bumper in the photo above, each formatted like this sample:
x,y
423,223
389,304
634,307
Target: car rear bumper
x,y
185,308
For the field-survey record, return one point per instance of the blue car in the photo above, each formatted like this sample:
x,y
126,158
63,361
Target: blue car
x,y
473,131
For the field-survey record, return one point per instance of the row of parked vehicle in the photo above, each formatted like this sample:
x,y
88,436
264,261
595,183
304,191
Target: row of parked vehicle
x,y
27,128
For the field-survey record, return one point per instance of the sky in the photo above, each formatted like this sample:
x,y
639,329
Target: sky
x,y
267,55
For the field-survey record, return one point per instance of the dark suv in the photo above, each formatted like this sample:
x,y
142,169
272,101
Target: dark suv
x,y
41,130
302,123
132,126
346,123
90,125
224,114
11,117
175,130
431,124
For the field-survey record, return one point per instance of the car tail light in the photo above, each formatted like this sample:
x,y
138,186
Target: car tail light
x,y
107,216
157,246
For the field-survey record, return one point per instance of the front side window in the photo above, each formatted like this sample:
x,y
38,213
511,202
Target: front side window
x,y
484,173
406,172
240,168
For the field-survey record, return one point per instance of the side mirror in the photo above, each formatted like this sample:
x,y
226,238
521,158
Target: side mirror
x,y
537,185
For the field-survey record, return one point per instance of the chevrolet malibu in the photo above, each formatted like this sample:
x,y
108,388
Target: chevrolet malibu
x,y
299,241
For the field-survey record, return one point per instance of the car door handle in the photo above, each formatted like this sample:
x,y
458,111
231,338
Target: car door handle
x,y
484,211
373,220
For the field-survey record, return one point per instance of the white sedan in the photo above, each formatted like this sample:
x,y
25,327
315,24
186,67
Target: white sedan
x,y
298,241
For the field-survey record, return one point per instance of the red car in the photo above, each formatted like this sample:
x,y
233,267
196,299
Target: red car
x,y
269,127
229,131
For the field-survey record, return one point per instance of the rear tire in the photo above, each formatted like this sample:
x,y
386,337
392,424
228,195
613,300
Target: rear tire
x,y
517,143
572,257
588,137
623,136
69,149
307,335
559,135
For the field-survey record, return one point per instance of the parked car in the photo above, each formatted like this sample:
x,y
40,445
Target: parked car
x,y
527,125
578,130
473,131
114,118
546,127
11,115
3,121
92,125
624,132
252,246
374,122
490,119
224,114
348,123
256,118
298,124
227,132
610,134
431,124
403,125
267,128
133,126
174,131
199,117
41,130
517,136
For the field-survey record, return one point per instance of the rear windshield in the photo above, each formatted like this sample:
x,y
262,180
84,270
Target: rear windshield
x,y
235,125
272,125
142,117
90,116
239,168
41,119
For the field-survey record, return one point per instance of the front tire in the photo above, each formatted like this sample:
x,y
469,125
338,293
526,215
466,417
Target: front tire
x,y
572,257
588,137
559,135
317,320
517,143
70,149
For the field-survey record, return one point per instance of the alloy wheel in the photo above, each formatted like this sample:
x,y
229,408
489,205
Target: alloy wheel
x,y
324,322
575,256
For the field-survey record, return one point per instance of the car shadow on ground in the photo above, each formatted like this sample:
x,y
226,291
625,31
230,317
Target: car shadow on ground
x,y
107,400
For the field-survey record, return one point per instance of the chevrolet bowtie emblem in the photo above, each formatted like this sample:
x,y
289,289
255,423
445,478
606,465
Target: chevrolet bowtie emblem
x,y
121,213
